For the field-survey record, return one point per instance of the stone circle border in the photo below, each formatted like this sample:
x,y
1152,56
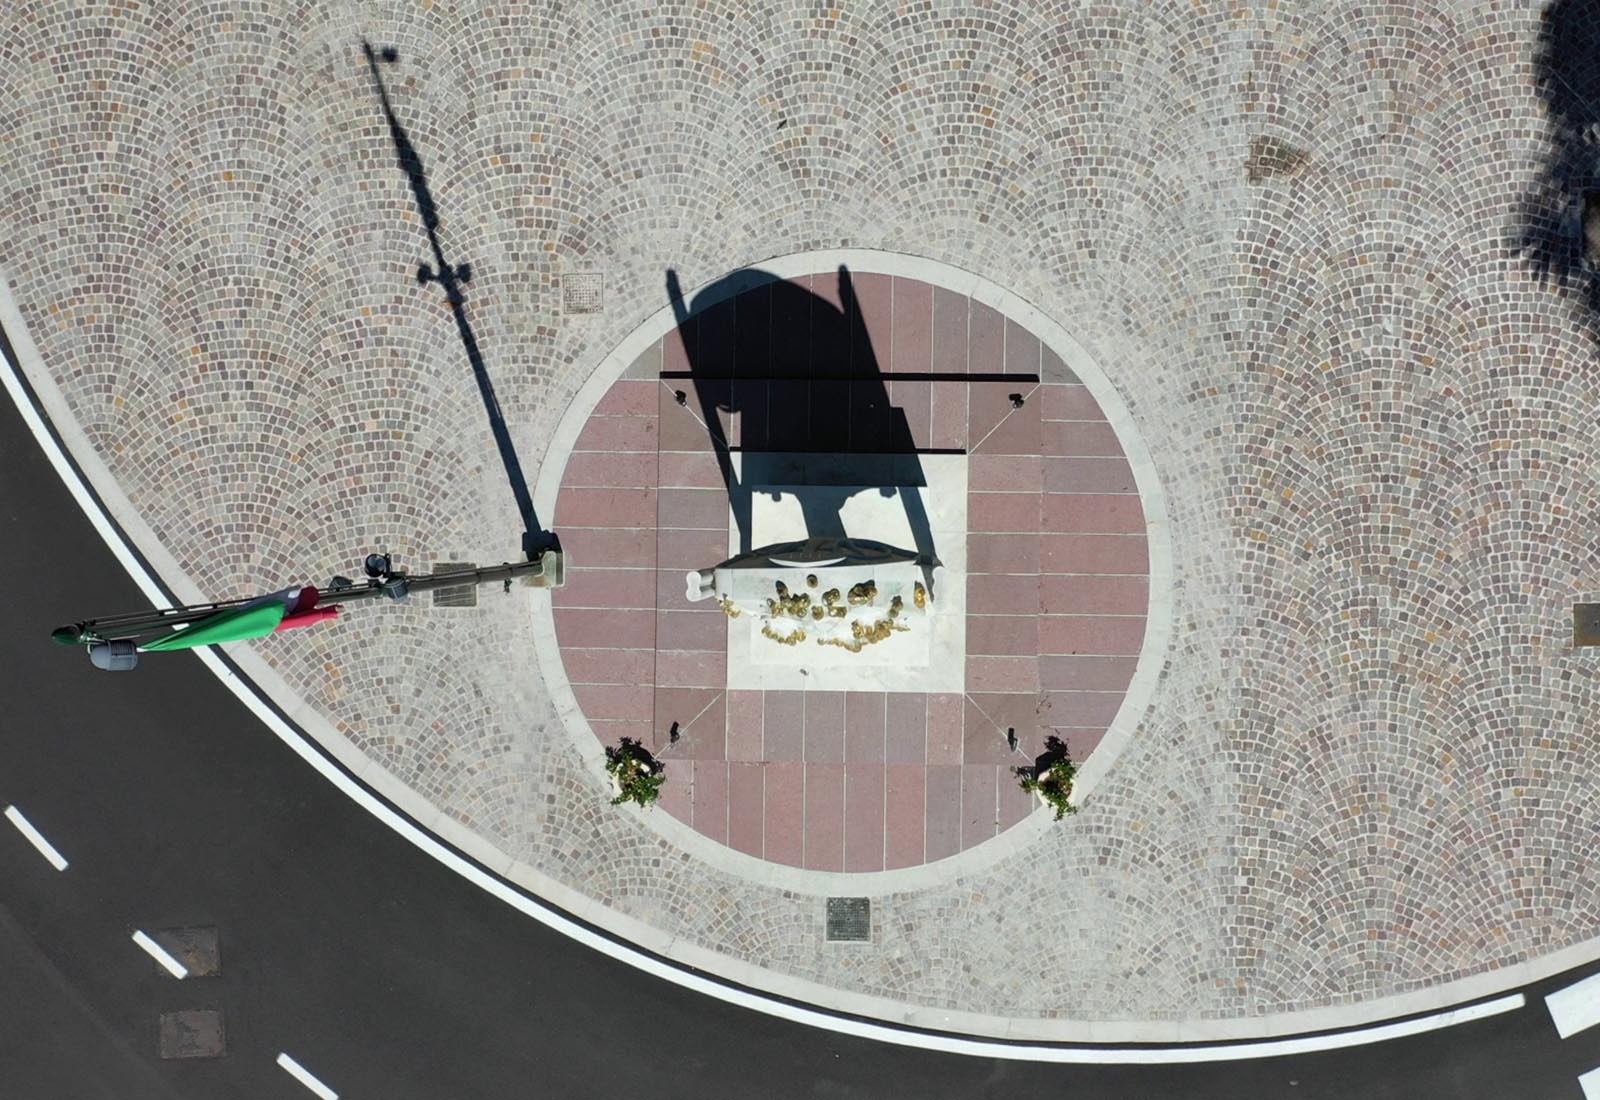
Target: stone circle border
x,y
1159,623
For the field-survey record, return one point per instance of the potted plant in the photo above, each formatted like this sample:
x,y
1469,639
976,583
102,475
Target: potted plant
x,y
1051,784
636,776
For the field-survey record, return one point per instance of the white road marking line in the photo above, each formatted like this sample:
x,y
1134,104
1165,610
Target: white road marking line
x,y
301,1074
1590,1084
36,838
554,918
1576,1007
159,954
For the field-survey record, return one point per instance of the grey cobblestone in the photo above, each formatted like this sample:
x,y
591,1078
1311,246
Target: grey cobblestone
x,y
1368,767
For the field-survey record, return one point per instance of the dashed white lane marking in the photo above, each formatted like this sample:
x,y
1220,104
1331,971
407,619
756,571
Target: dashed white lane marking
x,y
1576,1007
36,838
159,954
301,1074
1590,1083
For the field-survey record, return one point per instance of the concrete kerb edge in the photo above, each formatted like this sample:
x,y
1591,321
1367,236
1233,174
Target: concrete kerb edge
x,y
584,908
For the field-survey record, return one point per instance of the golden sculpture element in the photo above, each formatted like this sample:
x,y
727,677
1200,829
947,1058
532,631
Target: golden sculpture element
x,y
728,608
896,605
811,580
919,596
863,593
784,639
818,612
862,635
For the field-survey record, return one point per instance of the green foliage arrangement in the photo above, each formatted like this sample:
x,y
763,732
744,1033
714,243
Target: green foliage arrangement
x,y
636,776
1053,784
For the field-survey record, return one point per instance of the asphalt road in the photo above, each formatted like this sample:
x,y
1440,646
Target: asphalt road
x,y
383,973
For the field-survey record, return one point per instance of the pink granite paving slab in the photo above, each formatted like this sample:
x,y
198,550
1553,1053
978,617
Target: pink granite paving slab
x,y
1064,402
1111,554
791,329
824,817
912,349
622,588
1088,439
951,321
1103,515
1088,475
685,550
1004,473
629,702
986,340
914,420
1003,554
875,299
681,427
610,731
948,415
746,807
904,815
677,345
1081,708
906,728
945,716
980,805
711,799
700,509
677,793
1079,595
646,368
598,629
691,668
789,409
689,470
1015,433
863,817
605,508
608,666
986,674
1002,594
1095,634
869,416
610,470
1022,349
864,723
602,548
1080,740
671,594
828,428
691,630
825,285
997,513
753,400
702,721
988,716
629,398
1052,369
942,808
784,824
1015,803
745,709
610,434
783,725
1086,673
1002,635
824,726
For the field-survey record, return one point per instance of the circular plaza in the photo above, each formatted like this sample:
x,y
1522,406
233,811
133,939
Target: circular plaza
x,y
1240,360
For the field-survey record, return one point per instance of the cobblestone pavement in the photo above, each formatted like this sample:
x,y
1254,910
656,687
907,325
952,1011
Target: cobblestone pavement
x,y
1324,252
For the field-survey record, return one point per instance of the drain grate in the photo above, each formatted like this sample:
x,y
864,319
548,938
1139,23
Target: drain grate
x,y
582,292
464,595
849,920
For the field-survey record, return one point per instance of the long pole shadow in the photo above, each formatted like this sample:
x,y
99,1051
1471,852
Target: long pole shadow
x,y
453,278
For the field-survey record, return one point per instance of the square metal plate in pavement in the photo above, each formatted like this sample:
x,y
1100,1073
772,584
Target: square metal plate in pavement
x,y
193,1033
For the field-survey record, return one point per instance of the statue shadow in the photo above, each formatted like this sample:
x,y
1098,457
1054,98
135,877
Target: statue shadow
x,y
791,394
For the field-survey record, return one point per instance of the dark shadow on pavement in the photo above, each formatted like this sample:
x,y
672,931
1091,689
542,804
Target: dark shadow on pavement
x,y
811,398
1563,206
453,278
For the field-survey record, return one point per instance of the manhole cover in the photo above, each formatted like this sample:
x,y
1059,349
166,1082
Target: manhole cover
x,y
582,292
197,948
465,595
194,1033
849,919
1586,624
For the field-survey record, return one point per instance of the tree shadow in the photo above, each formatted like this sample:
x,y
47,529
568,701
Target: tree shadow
x,y
811,400
1563,207
453,278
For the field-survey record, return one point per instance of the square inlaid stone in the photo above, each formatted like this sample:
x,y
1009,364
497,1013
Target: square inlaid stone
x,y
193,1033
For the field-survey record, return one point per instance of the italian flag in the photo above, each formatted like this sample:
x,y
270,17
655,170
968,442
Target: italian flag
x,y
278,611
